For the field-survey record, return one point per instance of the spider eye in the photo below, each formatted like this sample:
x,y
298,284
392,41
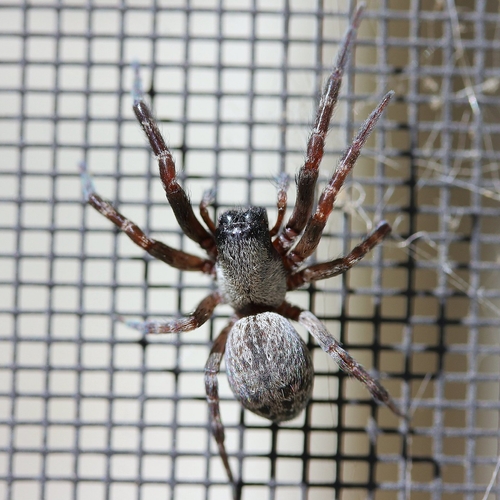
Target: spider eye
x,y
243,223
251,217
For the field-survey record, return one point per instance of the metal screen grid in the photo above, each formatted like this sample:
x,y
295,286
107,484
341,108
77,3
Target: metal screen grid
x,y
89,409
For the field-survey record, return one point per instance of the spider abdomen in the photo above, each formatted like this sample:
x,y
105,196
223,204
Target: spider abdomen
x,y
269,367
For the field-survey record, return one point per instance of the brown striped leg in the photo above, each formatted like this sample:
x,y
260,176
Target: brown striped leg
x,y
308,174
175,258
314,229
200,316
341,265
332,347
283,182
212,369
177,197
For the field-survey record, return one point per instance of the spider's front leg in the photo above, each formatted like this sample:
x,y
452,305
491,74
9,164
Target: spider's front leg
x,y
177,197
308,173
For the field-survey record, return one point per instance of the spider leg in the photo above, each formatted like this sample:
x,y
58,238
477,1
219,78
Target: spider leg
x,y
332,347
339,266
314,229
212,369
175,258
308,173
201,315
176,196
283,182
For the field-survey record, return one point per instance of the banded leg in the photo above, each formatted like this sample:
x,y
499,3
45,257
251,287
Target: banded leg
x,y
175,258
212,369
314,229
283,182
331,346
185,324
339,266
176,196
308,173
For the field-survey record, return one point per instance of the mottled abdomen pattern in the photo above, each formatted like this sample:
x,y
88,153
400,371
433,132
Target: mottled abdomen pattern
x,y
269,367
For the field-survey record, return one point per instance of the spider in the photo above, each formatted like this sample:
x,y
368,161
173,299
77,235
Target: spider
x,y
268,365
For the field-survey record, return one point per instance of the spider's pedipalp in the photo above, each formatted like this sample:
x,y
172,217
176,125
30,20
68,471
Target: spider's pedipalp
x,y
283,182
207,200
346,363
201,315
312,234
308,173
335,267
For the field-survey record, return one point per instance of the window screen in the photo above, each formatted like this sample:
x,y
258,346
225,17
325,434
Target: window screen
x,y
90,408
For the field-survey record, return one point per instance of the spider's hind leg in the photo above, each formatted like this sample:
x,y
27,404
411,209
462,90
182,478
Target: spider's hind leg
x,y
212,369
332,347
348,364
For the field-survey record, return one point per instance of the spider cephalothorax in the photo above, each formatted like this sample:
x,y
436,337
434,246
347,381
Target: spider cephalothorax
x,y
250,272
268,365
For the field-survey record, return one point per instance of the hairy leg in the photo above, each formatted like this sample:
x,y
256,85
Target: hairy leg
x,y
308,174
175,258
212,369
339,266
176,196
185,324
332,347
314,228
346,363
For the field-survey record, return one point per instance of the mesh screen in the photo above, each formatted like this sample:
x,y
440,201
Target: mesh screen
x,y
91,409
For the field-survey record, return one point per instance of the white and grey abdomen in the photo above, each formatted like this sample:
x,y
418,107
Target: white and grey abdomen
x,y
269,367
